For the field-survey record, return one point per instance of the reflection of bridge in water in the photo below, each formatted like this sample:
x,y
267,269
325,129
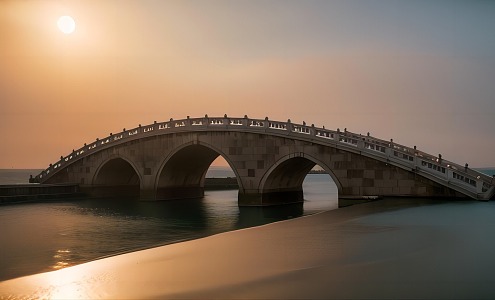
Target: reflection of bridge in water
x,y
270,159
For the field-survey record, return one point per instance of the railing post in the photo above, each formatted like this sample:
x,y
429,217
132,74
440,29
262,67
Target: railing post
x,y
207,121
289,127
390,149
336,136
450,174
417,162
226,121
360,143
479,185
245,122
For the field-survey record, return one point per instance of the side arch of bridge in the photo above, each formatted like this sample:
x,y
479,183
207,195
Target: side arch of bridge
x,y
285,177
117,175
360,165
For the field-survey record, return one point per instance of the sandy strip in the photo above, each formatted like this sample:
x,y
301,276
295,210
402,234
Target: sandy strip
x,y
308,257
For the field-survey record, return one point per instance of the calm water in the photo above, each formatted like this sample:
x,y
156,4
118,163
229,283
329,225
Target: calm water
x,y
446,247
435,251
37,237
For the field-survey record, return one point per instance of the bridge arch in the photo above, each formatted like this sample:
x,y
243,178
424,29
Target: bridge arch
x,y
282,182
116,176
182,173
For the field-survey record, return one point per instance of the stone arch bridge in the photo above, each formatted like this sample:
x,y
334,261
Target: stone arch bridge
x,y
169,160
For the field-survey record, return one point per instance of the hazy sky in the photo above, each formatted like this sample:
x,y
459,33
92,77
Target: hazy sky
x,y
420,72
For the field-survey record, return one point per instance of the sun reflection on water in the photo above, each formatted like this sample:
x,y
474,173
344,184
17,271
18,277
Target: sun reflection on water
x,y
62,259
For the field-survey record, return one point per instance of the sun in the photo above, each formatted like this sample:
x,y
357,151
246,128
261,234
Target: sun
x,y
66,24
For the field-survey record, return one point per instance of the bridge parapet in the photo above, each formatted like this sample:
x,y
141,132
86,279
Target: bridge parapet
x,y
461,178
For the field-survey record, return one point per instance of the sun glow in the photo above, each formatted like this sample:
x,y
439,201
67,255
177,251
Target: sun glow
x,y
66,24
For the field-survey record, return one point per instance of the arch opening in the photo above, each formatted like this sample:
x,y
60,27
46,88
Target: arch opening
x,y
220,176
320,191
285,182
184,173
116,178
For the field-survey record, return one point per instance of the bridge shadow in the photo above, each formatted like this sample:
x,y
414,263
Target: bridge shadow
x,y
187,213
198,217
250,216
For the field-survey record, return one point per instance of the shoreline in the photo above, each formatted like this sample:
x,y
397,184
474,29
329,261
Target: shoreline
x,y
268,256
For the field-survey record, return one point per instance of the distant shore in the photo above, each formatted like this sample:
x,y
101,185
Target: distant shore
x,y
227,183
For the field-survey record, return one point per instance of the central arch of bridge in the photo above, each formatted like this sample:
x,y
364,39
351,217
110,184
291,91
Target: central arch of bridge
x,y
116,178
184,171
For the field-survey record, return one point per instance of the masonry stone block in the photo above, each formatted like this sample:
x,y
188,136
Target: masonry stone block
x,y
369,191
368,182
369,173
357,182
340,173
421,190
251,164
386,191
406,183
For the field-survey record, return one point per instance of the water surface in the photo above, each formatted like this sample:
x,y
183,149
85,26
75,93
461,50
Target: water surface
x,y
46,236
